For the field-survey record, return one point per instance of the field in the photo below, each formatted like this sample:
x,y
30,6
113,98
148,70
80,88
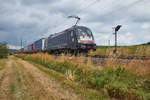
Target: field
x,y
141,50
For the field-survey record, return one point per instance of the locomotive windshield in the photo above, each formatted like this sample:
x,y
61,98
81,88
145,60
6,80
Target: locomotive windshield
x,y
85,35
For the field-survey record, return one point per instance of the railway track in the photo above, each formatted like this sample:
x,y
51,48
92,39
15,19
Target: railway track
x,y
101,60
122,57
117,57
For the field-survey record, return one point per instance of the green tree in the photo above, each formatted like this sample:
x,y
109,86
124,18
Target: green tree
x,y
3,50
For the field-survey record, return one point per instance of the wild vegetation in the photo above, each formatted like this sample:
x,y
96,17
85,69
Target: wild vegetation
x,y
112,80
141,50
3,50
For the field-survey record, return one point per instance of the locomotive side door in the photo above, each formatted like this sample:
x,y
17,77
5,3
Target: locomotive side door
x,y
71,39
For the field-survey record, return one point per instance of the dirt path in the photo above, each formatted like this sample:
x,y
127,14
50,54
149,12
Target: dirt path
x,y
20,80
4,81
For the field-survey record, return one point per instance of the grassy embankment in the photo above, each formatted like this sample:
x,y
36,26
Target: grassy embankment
x,y
125,83
141,50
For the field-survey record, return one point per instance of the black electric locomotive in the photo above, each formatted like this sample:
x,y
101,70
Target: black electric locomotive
x,y
76,39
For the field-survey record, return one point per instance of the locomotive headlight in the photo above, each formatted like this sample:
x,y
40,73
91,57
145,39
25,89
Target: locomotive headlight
x,y
83,46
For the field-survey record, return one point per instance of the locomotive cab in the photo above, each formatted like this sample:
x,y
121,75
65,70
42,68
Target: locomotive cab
x,y
85,39
84,35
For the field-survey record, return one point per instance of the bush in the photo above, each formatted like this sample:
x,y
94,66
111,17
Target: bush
x,y
3,50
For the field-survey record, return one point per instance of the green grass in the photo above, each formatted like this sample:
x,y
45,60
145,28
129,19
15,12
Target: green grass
x,y
115,83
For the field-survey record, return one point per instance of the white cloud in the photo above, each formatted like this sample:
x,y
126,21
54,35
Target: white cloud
x,y
14,47
127,38
145,25
32,19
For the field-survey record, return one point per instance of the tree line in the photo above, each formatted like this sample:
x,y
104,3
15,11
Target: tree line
x,y
3,50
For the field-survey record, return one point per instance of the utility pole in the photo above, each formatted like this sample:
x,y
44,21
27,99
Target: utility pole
x,y
116,30
115,41
109,43
21,43
108,47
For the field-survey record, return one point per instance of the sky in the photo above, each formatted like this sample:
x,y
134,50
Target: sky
x,y
30,20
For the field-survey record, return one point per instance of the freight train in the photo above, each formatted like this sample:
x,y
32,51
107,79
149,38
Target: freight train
x,y
77,39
